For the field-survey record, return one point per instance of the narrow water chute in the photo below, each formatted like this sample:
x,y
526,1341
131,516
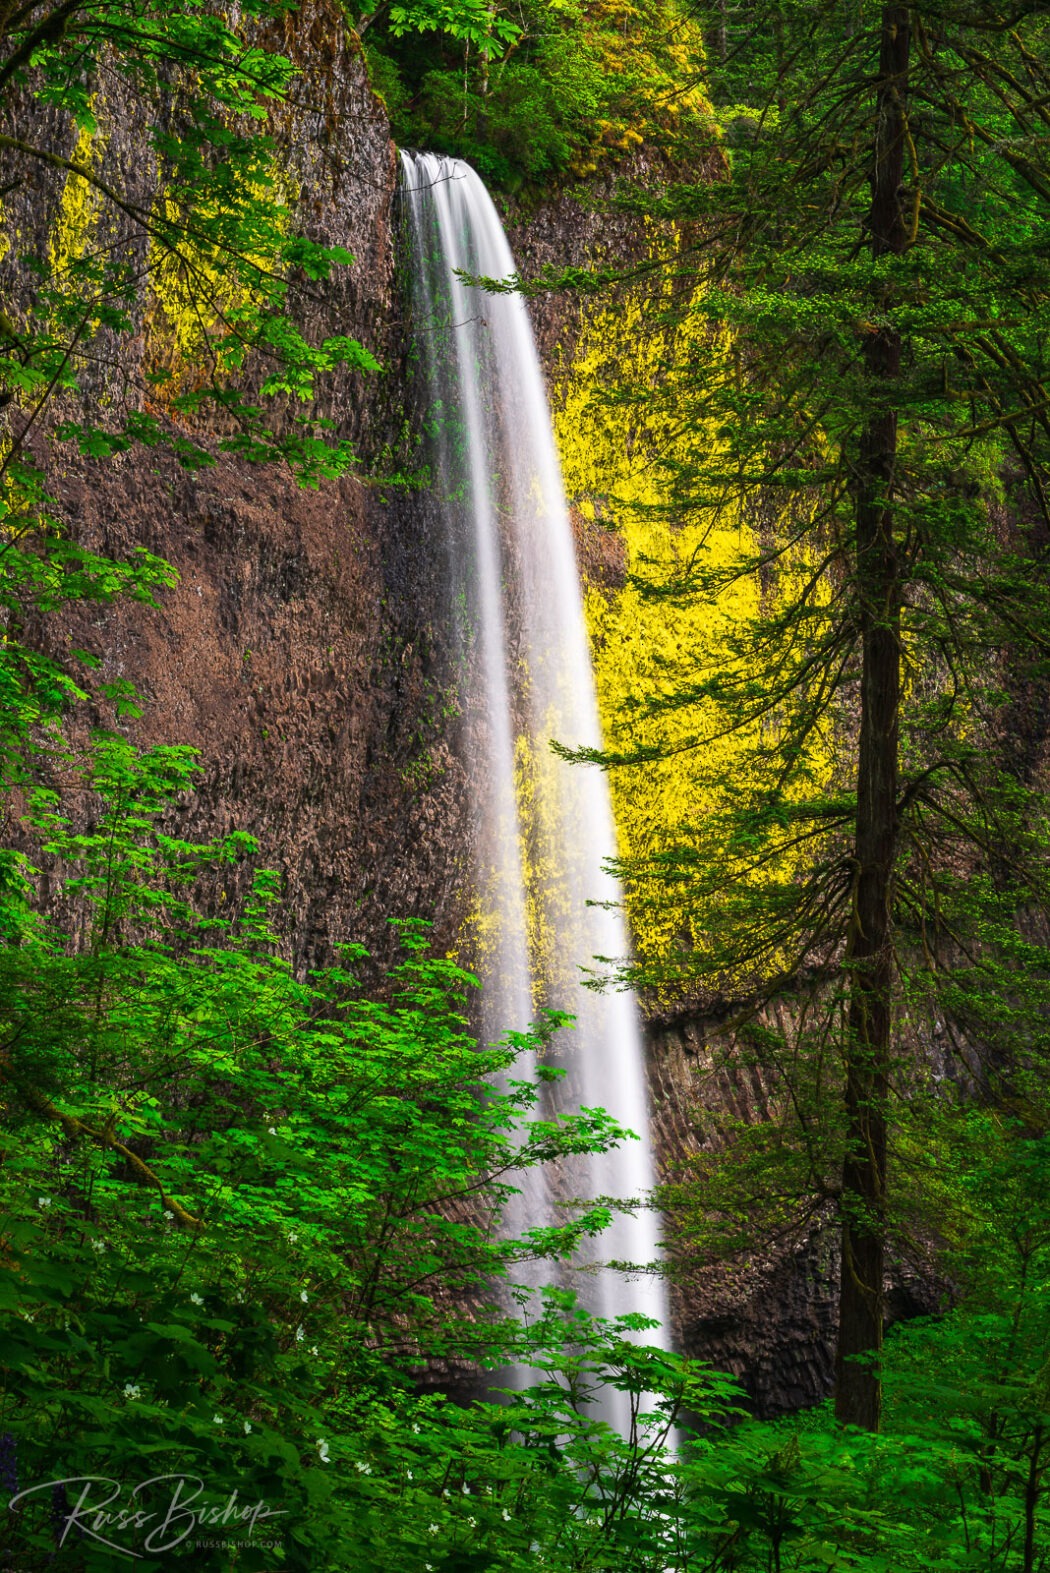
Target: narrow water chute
x,y
547,904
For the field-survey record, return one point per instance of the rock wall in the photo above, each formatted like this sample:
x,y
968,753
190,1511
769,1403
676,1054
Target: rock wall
x,y
297,653
768,1314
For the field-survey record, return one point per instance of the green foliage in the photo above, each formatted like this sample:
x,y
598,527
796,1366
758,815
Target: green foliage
x,y
219,298
42,572
242,1212
755,404
542,91
850,384
470,21
238,1210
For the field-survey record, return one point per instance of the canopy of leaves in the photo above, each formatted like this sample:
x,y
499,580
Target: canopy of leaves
x,y
545,90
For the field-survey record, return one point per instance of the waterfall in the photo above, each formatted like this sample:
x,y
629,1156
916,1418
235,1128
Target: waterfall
x,y
547,905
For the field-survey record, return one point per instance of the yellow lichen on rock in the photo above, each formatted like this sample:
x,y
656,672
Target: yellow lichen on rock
x,y
195,296
78,209
619,458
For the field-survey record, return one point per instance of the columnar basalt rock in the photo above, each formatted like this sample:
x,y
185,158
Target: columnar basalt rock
x,y
297,651
767,1314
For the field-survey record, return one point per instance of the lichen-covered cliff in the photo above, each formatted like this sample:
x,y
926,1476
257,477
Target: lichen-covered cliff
x,y
295,651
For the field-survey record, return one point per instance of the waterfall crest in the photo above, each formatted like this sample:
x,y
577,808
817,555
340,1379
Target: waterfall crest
x,y
544,827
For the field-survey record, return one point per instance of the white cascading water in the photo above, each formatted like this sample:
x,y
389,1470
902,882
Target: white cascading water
x,y
548,906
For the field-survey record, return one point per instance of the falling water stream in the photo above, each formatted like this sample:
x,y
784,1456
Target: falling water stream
x,y
547,904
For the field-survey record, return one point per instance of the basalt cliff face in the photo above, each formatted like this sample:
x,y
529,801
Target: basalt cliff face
x,y
295,651
301,652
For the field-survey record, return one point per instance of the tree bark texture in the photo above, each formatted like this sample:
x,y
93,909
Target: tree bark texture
x,y
869,953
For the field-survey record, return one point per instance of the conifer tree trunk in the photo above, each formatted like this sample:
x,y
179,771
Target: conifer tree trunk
x,y
869,957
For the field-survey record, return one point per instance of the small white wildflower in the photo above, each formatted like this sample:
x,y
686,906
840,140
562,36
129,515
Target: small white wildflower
x,y
408,1474
304,1297
239,1298
43,1201
217,1420
506,1516
132,1390
363,1469
196,1299
322,1450
169,1215
415,1430
247,1427
473,1523
465,1489
299,1334
292,1238
99,1246
272,1130
434,1529
313,1350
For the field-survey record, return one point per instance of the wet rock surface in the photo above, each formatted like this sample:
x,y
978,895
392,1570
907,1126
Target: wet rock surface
x,y
276,657
768,1315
